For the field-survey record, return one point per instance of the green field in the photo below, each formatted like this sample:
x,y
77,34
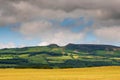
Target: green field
x,y
54,56
96,73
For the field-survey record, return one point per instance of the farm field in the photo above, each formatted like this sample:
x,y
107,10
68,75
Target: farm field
x,y
55,56
93,73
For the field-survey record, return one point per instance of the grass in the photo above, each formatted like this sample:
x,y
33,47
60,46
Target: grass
x,y
96,73
6,56
59,58
38,59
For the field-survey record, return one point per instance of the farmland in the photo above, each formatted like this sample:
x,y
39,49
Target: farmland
x,y
54,56
95,73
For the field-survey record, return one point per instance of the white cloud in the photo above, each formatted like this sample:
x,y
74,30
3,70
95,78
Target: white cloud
x,y
8,45
35,28
66,37
43,44
21,46
62,38
108,33
11,45
49,33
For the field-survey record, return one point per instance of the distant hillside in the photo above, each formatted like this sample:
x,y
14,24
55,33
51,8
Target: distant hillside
x,y
91,47
54,56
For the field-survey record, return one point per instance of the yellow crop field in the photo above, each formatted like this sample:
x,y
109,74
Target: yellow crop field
x,y
97,73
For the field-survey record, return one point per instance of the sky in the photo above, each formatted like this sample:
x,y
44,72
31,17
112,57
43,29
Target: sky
x,y
42,22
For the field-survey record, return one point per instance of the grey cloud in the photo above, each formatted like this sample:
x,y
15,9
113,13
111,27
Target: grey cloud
x,y
69,5
102,11
105,13
110,9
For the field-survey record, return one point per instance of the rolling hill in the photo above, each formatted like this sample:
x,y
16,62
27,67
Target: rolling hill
x,y
54,56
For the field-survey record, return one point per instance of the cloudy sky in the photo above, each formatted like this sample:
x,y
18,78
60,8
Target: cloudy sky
x,y
42,22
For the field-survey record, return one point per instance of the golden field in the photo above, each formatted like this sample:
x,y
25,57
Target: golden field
x,y
97,73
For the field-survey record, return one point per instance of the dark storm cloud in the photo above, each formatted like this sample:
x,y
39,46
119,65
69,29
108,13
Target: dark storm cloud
x,y
106,13
108,9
